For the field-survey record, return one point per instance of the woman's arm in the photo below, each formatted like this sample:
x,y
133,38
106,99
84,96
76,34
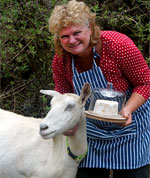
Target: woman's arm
x,y
135,69
137,72
59,75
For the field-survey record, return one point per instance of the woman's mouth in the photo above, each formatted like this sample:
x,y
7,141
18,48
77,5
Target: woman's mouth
x,y
74,46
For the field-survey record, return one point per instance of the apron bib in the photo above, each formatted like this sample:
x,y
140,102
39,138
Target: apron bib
x,y
98,129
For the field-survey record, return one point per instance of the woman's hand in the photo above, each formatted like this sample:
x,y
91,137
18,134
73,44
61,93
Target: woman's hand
x,y
72,131
126,114
134,102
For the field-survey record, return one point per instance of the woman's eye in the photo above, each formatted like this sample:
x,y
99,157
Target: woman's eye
x,y
78,32
64,36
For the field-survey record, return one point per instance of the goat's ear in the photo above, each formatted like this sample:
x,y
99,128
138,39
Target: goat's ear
x,y
85,93
50,92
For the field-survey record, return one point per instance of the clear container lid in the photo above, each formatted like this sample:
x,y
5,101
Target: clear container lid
x,y
107,94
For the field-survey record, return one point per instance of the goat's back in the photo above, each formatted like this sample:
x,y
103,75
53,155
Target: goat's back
x,y
20,145
17,124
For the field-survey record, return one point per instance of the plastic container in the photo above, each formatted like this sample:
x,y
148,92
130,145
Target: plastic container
x,y
107,94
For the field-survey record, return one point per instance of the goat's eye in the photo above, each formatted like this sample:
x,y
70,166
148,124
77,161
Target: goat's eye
x,y
70,106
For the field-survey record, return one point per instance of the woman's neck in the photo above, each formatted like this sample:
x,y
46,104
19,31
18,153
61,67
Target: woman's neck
x,y
85,61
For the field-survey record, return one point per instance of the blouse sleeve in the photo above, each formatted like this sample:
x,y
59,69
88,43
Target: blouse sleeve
x,y
135,68
59,75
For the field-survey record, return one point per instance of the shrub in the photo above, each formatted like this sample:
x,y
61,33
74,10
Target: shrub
x,y
26,51
27,46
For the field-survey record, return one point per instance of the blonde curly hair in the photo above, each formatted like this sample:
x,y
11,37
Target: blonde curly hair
x,y
73,13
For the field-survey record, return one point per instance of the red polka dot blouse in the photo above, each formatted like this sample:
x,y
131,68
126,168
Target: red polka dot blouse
x,y
121,63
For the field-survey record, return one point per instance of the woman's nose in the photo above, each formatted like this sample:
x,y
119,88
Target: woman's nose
x,y
72,39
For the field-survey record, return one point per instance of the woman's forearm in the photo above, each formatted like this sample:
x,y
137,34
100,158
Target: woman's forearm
x,y
134,102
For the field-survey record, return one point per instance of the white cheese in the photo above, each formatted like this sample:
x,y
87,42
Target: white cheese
x,y
106,107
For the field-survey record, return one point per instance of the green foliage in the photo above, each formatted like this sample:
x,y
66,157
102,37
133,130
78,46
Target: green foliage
x,y
27,46
128,17
26,54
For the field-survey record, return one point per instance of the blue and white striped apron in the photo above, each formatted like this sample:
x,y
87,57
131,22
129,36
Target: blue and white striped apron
x,y
111,146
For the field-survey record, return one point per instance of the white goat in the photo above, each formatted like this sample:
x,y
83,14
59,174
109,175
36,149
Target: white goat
x,y
25,154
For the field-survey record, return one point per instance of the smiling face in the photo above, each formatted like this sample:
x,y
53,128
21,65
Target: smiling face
x,y
75,39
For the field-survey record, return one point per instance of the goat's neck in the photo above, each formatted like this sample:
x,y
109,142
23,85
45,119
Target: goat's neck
x,y
78,142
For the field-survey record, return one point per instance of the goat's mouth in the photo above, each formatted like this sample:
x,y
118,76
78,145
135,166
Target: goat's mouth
x,y
47,135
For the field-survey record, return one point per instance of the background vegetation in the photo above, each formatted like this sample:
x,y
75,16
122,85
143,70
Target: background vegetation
x,y
27,46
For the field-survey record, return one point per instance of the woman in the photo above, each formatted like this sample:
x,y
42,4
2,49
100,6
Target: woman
x,y
84,54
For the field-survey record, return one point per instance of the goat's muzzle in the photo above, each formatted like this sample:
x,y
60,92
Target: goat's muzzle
x,y
45,132
43,127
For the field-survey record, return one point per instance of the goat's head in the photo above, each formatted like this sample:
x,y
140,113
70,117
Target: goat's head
x,y
66,111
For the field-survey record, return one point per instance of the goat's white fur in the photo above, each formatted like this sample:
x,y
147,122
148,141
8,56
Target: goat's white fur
x,y
25,154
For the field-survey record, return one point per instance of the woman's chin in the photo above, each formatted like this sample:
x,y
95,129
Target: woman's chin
x,y
77,52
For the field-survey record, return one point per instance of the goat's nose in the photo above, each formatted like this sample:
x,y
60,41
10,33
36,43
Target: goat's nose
x,y
43,126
